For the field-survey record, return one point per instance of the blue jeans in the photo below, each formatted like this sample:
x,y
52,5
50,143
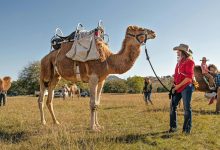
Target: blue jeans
x,y
147,97
2,98
186,94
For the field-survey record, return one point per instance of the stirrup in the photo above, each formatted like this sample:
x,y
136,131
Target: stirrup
x,y
212,89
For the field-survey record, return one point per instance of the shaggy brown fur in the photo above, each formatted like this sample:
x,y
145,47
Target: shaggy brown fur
x,y
103,50
5,83
94,72
203,86
199,78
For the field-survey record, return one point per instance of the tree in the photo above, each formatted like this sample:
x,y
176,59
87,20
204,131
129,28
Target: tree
x,y
161,89
115,86
28,79
135,84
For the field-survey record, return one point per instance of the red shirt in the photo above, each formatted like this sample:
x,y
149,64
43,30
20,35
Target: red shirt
x,y
184,69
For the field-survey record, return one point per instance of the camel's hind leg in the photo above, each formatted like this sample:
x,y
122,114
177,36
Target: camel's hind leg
x,y
50,98
93,83
41,102
99,91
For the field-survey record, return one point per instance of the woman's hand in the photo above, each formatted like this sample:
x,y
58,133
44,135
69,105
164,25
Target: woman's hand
x,y
176,87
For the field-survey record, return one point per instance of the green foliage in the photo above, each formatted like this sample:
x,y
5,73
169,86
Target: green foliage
x,y
115,86
83,86
161,89
28,80
135,84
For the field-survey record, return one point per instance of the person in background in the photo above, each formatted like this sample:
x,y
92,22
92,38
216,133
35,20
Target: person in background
x,y
147,90
183,86
206,73
214,71
65,90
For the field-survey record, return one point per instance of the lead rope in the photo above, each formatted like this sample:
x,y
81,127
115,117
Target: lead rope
x,y
148,59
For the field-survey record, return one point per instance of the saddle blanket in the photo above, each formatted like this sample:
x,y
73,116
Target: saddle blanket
x,y
84,48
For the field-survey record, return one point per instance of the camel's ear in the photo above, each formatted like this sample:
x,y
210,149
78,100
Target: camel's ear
x,y
6,83
131,27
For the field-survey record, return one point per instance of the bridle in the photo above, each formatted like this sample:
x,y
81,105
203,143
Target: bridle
x,y
136,37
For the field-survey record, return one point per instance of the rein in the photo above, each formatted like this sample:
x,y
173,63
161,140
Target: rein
x,y
148,59
136,36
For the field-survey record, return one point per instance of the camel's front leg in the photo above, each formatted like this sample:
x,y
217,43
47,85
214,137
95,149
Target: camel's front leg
x,y
50,99
93,82
50,105
99,91
41,103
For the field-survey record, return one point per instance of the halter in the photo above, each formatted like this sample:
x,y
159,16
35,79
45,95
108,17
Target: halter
x,y
136,36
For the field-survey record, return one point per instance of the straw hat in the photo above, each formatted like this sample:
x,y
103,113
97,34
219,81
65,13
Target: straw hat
x,y
204,59
184,48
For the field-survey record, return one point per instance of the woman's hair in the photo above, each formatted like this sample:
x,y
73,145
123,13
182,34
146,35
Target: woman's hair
x,y
147,80
184,55
213,66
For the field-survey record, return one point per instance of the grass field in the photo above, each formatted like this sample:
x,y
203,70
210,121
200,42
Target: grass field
x,y
128,122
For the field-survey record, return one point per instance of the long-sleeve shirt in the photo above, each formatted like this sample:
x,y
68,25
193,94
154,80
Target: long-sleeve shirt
x,y
184,69
217,80
204,68
147,87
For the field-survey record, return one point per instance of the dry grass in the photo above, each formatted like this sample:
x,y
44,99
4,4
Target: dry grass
x,y
128,122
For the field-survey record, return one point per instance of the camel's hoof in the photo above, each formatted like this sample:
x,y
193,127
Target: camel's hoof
x,y
95,129
100,127
43,122
56,122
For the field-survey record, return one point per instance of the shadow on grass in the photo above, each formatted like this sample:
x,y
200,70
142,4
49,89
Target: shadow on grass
x,y
13,137
118,107
205,112
196,112
157,110
147,138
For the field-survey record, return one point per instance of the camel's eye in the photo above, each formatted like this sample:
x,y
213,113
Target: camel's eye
x,y
141,38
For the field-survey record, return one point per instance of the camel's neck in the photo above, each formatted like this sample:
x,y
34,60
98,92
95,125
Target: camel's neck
x,y
123,61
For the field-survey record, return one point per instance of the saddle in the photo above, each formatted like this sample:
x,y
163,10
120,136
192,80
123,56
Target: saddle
x,y
79,33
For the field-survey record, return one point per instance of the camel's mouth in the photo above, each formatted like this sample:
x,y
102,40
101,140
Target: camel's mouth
x,y
150,34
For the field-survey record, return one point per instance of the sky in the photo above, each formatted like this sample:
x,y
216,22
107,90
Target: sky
x,y
26,28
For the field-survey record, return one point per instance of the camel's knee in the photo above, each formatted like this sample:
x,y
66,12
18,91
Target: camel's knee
x,y
46,84
48,103
40,101
94,107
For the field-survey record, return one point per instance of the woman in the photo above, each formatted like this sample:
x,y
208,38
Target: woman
x,y
147,90
183,79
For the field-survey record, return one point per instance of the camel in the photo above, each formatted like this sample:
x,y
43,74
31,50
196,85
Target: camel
x,y
5,84
93,72
74,90
203,87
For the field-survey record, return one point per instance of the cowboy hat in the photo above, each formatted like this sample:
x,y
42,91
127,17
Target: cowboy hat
x,y
204,59
184,48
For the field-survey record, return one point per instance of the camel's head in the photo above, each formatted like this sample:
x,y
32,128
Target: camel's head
x,y
5,83
141,34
